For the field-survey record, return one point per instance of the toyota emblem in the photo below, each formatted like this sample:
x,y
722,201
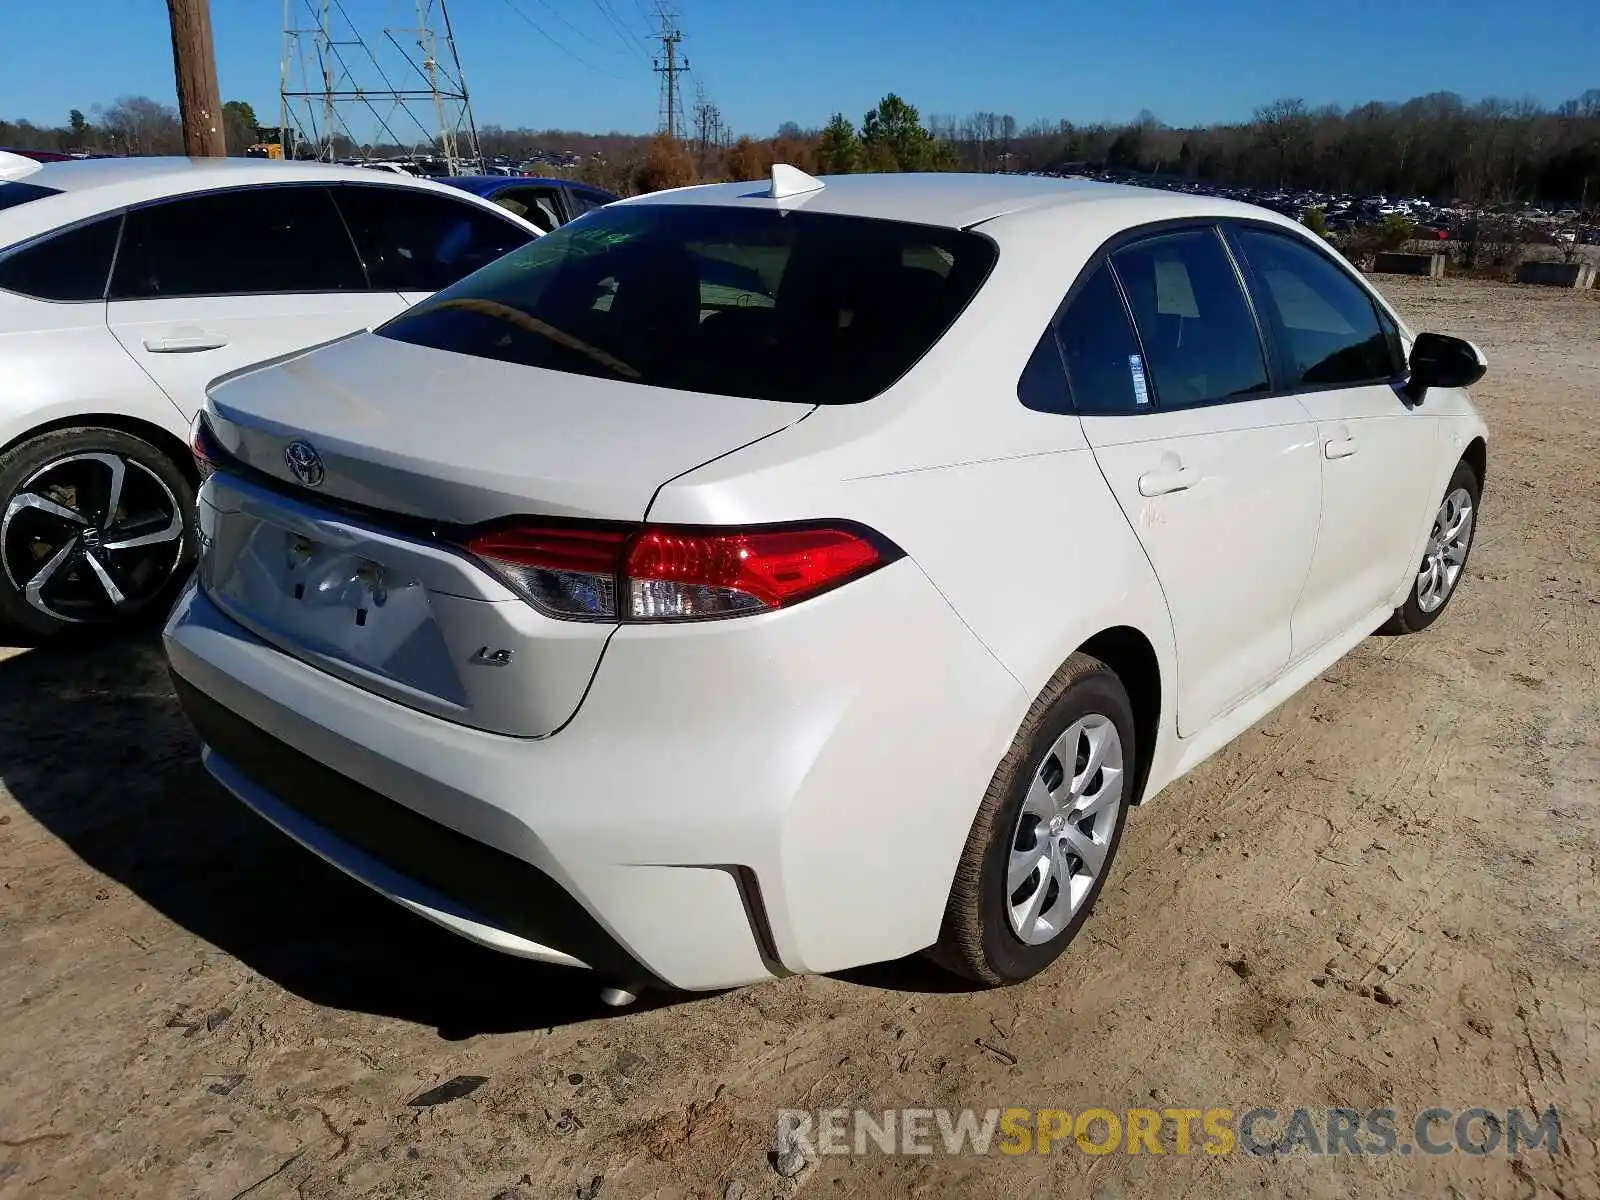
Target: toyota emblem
x,y
305,464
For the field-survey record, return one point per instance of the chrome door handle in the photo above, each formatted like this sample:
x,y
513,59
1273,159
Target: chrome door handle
x,y
185,343
1338,447
1169,478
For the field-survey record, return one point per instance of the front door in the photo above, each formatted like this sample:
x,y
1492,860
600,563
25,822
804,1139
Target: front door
x,y
1340,353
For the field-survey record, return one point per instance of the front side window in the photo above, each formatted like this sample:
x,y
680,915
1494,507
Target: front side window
x,y
245,242
69,266
1327,325
809,307
1199,336
419,241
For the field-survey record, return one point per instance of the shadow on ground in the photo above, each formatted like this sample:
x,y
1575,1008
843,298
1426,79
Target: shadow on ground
x,y
95,747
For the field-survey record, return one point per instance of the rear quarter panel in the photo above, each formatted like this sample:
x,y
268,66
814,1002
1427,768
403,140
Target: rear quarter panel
x,y
1003,508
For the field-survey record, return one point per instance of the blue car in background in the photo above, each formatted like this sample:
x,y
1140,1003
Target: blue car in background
x,y
548,203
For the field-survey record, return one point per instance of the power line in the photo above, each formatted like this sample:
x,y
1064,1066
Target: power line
x,y
630,40
546,34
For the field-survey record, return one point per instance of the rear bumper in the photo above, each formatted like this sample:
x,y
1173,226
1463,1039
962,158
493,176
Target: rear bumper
x,y
731,802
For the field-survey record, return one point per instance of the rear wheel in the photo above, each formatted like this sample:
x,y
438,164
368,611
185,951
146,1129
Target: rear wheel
x,y
1045,836
94,532
1444,558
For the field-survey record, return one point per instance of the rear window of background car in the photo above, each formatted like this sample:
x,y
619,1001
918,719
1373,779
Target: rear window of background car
x,y
807,307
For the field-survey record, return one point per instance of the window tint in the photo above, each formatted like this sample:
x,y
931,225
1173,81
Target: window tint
x,y
541,206
414,241
809,307
1199,337
1102,355
1043,386
270,239
13,194
69,266
586,201
1326,323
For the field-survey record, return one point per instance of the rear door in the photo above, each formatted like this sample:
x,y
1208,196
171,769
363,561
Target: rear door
x,y
417,241
1341,355
1218,477
209,283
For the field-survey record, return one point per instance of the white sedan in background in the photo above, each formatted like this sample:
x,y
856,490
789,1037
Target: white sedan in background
x,y
752,580
126,285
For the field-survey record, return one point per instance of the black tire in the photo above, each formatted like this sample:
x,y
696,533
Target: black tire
x,y
148,578
978,940
1411,617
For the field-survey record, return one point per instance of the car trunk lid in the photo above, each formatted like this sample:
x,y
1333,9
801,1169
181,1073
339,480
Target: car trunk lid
x,y
335,532
461,440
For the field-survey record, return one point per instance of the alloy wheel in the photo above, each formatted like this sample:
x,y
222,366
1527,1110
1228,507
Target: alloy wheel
x,y
1063,834
1446,552
91,537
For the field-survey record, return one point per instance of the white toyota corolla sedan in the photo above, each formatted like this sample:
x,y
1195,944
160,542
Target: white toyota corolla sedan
x,y
768,578
127,285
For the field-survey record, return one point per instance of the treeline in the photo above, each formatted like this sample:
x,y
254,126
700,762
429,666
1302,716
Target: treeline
x,y
130,125
1438,146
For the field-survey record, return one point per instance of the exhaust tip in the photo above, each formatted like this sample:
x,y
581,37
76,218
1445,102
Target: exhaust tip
x,y
617,997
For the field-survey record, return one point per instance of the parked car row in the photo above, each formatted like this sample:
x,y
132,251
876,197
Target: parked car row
x,y
908,529
1345,212
126,285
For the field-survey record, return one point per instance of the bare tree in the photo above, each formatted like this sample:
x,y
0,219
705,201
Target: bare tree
x,y
140,125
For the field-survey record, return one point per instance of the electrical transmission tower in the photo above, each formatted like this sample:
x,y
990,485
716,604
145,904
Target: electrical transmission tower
x,y
341,96
669,66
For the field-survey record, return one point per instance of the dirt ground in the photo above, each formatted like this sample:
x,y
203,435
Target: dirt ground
x,y
1383,895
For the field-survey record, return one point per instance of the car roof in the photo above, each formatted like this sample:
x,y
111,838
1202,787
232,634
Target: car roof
x,y
78,175
486,185
84,188
951,199
493,183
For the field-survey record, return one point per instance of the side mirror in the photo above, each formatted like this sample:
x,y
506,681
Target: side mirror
x,y
1439,360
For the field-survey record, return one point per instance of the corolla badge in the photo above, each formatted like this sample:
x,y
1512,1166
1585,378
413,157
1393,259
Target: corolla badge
x,y
304,463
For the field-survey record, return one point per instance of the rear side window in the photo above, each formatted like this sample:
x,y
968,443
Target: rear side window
x,y
541,206
1326,323
252,241
809,307
15,193
1198,333
417,241
1043,386
1102,355
586,201
69,266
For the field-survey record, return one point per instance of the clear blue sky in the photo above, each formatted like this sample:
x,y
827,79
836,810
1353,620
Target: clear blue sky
x,y
767,61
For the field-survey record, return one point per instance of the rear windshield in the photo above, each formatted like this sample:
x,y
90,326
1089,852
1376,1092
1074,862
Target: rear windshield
x,y
795,306
13,194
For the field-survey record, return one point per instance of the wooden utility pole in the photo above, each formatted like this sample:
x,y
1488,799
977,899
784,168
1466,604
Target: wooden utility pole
x,y
195,61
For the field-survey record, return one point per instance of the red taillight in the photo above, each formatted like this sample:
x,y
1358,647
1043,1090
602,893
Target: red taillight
x,y
203,445
662,573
